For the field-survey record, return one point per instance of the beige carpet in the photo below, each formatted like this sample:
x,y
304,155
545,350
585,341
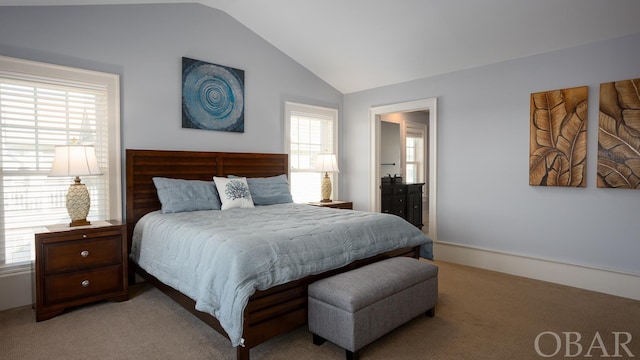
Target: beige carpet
x,y
480,315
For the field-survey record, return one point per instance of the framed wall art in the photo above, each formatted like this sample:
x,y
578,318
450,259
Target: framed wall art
x,y
558,137
212,96
619,135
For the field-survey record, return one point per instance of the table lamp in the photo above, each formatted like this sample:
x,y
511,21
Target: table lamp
x,y
326,163
76,160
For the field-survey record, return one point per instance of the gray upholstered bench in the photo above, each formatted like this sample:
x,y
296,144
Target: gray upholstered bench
x,y
355,308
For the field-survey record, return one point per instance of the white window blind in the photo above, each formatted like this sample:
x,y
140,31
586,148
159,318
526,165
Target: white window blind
x,y
311,130
42,106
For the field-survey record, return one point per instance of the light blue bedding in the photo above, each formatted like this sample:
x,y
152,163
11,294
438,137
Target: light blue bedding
x,y
220,258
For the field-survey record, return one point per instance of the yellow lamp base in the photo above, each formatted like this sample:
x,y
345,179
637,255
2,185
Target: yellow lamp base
x,y
326,188
78,203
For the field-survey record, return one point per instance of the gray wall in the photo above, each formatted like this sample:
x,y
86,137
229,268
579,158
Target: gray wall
x,y
145,45
390,149
484,199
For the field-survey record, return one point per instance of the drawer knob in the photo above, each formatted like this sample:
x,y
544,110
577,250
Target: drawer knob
x,y
85,283
84,253
84,236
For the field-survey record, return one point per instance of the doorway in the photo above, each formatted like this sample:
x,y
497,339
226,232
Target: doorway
x,y
377,170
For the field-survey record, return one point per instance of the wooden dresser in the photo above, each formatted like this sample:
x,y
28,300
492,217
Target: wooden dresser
x,y
404,200
76,266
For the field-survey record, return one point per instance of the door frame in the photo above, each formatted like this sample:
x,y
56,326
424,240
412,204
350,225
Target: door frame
x,y
374,126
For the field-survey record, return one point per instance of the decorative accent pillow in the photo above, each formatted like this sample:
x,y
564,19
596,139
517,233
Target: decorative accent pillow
x,y
234,193
269,190
178,195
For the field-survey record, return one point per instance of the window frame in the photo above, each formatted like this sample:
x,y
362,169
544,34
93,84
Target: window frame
x,y
57,74
419,151
322,111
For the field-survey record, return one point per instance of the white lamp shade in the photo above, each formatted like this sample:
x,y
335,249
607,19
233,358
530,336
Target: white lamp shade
x,y
75,160
326,163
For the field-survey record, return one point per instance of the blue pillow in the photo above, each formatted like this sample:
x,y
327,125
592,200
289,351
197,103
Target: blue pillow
x,y
177,195
269,190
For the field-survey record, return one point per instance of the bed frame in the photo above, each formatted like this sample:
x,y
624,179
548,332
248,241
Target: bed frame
x,y
269,313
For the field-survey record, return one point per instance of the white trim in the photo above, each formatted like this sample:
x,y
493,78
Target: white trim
x,y
606,281
332,113
58,74
416,127
115,155
374,168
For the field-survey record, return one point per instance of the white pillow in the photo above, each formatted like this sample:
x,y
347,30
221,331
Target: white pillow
x,y
234,193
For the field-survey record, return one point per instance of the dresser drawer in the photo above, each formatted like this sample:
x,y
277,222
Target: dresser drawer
x,y
398,201
66,287
82,254
397,189
404,200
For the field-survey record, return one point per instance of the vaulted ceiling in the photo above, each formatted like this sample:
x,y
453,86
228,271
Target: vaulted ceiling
x,y
362,44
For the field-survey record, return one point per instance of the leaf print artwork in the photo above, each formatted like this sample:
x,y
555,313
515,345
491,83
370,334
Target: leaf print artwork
x,y
619,135
558,138
236,190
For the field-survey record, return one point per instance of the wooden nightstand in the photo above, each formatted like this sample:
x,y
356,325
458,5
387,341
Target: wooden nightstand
x,y
336,204
79,265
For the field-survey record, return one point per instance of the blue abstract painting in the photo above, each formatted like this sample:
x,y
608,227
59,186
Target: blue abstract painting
x,y
212,96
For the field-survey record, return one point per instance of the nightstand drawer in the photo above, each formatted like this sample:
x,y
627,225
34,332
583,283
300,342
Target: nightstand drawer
x,y
336,204
82,234
82,254
61,288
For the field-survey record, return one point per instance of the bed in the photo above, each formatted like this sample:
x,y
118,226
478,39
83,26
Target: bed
x,y
268,305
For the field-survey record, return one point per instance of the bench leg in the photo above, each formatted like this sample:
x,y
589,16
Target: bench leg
x,y
431,312
352,355
318,340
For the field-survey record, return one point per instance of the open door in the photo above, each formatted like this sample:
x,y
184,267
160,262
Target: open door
x,y
417,135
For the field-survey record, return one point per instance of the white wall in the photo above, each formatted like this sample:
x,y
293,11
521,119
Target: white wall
x,y
484,200
145,45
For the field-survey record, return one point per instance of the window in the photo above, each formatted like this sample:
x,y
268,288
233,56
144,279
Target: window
x,y
414,154
310,130
41,106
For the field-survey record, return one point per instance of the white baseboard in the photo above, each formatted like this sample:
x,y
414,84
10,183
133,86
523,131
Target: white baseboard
x,y
601,280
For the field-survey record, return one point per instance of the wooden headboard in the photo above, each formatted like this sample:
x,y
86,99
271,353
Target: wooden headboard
x,y
143,165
